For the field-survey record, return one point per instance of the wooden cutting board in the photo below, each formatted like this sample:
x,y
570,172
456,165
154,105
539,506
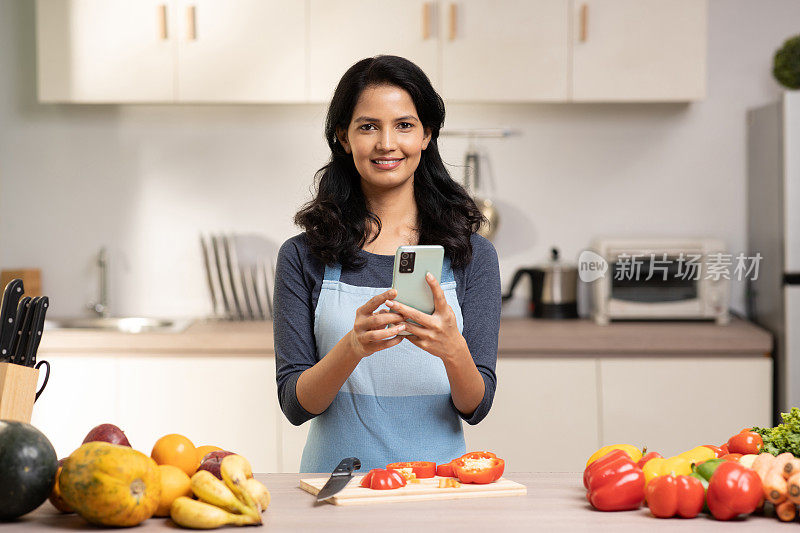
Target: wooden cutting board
x,y
426,489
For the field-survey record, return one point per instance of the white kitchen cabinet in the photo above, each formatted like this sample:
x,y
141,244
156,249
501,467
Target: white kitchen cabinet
x,y
105,50
505,51
341,33
673,404
241,51
544,416
639,50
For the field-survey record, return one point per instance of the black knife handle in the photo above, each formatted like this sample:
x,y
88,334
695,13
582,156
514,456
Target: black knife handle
x,y
24,339
22,311
346,467
37,327
8,307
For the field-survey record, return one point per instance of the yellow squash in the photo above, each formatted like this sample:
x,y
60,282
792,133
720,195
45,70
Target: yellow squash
x,y
111,485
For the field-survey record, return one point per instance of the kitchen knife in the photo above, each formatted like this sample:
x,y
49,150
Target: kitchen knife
x,y
25,329
8,316
22,310
39,309
339,479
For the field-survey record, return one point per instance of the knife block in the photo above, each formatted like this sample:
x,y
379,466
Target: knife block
x,y
17,391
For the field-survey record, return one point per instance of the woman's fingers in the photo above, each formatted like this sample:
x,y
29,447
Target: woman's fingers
x,y
379,320
380,334
416,330
409,312
382,345
375,302
439,299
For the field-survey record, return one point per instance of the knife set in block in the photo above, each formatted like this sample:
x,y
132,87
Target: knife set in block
x,y
17,391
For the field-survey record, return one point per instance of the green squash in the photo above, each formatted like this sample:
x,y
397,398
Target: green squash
x,y
28,466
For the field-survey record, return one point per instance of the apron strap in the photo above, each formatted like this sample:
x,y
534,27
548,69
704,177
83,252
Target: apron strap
x,y
333,272
447,271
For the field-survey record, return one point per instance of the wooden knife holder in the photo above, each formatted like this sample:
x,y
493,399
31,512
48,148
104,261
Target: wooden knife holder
x,y
17,391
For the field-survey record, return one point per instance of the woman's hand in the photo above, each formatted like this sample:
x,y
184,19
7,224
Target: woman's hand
x,y
369,333
438,333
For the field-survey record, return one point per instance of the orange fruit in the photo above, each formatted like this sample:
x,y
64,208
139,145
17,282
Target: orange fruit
x,y
203,450
176,450
174,483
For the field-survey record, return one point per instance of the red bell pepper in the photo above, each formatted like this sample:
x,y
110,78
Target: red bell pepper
x,y
745,443
421,469
616,486
668,496
599,464
381,479
716,449
481,470
731,456
445,470
733,490
646,457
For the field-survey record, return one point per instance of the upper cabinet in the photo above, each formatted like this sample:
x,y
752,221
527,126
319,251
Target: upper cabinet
x,y
260,51
508,51
639,50
343,31
174,50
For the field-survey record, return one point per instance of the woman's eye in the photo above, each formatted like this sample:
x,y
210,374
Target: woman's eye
x,y
406,125
365,127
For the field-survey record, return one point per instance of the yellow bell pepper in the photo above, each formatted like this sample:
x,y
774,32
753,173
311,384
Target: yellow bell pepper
x,y
698,455
634,452
680,466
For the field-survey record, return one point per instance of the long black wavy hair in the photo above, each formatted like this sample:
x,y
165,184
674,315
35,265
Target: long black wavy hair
x,y
336,220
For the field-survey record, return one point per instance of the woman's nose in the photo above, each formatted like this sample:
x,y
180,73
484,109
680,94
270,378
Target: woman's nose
x,y
387,140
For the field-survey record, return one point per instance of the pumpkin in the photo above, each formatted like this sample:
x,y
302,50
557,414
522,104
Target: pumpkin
x,y
28,465
111,485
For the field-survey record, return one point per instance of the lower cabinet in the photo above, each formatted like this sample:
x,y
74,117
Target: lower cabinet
x,y
549,413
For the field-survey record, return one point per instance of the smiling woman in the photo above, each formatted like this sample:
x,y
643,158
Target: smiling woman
x,y
340,361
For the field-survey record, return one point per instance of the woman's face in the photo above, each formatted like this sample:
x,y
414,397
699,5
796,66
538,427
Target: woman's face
x,y
385,137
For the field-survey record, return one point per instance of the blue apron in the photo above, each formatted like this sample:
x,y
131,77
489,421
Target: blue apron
x,y
395,406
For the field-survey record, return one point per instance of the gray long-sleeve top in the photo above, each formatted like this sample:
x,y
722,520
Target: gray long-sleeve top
x,y
298,280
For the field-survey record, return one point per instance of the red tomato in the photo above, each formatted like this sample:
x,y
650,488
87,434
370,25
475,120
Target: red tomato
x,y
422,469
724,448
745,443
380,479
732,457
445,470
467,471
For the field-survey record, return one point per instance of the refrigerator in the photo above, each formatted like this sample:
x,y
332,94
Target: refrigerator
x,y
773,230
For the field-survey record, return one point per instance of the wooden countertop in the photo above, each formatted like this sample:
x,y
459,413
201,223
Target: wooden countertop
x,y
555,502
519,337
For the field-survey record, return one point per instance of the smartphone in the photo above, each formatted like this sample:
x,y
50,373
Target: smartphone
x,y
411,263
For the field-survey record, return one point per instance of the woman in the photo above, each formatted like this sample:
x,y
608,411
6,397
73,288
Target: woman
x,y
369,392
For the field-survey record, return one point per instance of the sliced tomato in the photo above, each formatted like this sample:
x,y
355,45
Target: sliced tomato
x,y
422,469
380,479
445,470
478,469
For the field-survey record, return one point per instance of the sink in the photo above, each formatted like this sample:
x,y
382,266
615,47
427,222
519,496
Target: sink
x,y
127,324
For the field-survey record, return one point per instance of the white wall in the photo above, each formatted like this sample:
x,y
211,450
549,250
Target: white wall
x,y
145,180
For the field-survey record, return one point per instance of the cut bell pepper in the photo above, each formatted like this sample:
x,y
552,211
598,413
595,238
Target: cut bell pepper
x,y
479,470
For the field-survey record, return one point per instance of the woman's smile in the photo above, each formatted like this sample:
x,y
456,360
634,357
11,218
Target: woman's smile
x,y
387,164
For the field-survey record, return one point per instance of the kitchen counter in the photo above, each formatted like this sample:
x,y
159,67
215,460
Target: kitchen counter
x,y
555,502
519,337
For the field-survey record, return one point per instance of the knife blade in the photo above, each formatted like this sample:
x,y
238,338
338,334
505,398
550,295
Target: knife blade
x,y
22,309
37,325
25,328
339,479
8,316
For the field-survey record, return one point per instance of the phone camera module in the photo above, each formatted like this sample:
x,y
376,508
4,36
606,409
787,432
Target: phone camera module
x,y
407,262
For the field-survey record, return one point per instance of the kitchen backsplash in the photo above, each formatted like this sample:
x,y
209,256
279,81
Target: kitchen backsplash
x,y
146,180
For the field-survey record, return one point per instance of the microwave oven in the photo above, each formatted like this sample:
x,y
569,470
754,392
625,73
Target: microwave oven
x,y
661,279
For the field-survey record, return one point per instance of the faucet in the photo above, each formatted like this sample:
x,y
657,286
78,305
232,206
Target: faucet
x,y
101,307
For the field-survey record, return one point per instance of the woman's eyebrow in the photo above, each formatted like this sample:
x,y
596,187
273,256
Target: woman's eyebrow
x,y
370,119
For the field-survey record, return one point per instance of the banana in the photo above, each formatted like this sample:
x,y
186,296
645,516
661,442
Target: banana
x,y
235,470
211,490
195,514
259,493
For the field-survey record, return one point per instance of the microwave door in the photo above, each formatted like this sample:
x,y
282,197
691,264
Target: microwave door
x,y
671,283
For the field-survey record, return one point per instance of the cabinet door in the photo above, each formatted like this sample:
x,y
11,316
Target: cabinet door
x,y
507,50
227,401
639,50
241,51
345,31
672,405
105,50
80,394
544,416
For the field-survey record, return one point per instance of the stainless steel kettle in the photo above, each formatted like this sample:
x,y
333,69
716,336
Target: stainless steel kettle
x,y
554,288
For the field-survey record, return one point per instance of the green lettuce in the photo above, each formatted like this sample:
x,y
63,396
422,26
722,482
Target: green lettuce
x,y
784,437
